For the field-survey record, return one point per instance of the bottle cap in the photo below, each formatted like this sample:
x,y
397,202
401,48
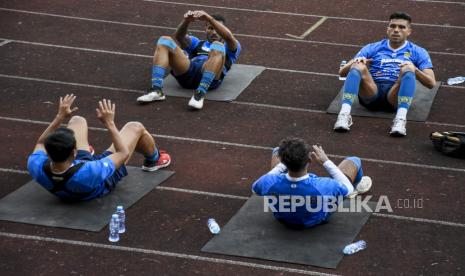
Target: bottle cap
x,y
119,207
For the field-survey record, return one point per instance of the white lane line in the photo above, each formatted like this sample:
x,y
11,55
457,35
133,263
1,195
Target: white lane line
x,y
171,137
200,192
5,42
201,31
234,102
440,2
164,188
162,253
310,30
295,14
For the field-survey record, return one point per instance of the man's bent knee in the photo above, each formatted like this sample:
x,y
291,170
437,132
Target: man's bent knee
x,y
217,48
407,68
359,67
135,126
167,41
77,120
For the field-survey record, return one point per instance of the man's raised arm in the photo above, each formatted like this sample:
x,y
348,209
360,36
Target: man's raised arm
x,y
181,32
220,28
64,112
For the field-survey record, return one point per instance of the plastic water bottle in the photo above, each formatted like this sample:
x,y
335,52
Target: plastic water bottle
x,y
354,247
122,219
455,80
343,63
213,226
114,226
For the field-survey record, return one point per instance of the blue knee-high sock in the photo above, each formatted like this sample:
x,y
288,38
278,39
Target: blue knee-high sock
x,y
406,90
158,73
154,157
351,86
207,79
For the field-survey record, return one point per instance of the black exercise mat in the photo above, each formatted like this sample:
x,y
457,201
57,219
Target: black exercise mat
x,y
418,111
32,204
254,233
237,79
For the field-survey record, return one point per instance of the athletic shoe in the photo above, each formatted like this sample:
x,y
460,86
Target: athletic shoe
x,y
163,161
197,100
153,94
362,187
398,127
343,122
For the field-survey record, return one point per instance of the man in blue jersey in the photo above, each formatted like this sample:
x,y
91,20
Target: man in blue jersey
x,y
62,163
196,64
289,177
383,75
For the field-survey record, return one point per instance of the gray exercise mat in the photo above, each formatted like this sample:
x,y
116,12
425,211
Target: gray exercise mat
x,y
254,233
32,204
419,110
237,79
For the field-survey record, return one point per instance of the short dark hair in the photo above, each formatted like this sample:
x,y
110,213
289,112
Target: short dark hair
x,y
218,17
60,144
294,153
401,15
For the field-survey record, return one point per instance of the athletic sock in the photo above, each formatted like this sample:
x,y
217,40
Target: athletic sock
x,y
158,73
351,88
406,92
154,157
207,79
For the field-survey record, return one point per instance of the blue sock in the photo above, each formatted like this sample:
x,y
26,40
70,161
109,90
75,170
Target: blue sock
x,y
207,79
153,157
358,163
158,73
406,90
351,86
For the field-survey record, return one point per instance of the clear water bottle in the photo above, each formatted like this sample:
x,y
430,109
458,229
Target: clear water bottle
x,y
455,80
114,226
122,219
213,226
354,247
343,63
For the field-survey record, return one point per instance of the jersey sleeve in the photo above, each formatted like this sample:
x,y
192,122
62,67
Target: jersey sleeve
x,y
366,52
194,43
423,60
263,184
234,55
35,162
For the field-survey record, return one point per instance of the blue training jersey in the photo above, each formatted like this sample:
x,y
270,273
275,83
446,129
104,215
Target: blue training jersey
x,y
202,55
276,184
91,176
385,62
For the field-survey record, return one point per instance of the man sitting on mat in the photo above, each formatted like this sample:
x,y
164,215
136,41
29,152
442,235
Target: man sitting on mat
x,y
289,177
62,163
383,75
196,64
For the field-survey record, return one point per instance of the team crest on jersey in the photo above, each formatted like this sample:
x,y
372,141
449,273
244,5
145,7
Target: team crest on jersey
x,y
407,54
394,55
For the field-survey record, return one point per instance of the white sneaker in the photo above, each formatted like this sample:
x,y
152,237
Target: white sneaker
x,y
197,100
151,96
398,127
362,187
343,122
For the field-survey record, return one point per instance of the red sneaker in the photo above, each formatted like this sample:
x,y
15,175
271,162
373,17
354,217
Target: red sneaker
x,y
163,162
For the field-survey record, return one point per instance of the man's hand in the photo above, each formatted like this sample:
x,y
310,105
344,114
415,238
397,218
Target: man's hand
x,y
106,112
64,109
363,60
319,154
189,16
201,15
408,65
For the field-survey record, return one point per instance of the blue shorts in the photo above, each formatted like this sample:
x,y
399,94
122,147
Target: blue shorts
x,y
380,101
110,182
191,79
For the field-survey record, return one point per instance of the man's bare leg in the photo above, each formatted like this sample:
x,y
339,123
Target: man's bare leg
x,y
79,125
